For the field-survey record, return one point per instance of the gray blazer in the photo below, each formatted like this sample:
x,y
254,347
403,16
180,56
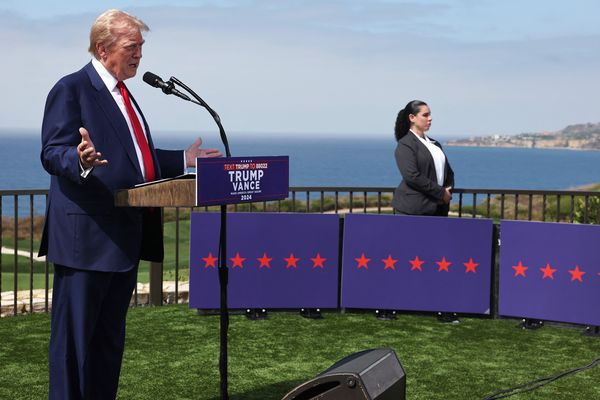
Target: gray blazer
x,y
419,192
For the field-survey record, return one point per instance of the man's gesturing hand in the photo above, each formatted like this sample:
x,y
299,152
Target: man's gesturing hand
x,y
88,156
195,151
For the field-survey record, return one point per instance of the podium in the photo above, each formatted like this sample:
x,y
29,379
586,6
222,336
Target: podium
x,y
167,193
218,181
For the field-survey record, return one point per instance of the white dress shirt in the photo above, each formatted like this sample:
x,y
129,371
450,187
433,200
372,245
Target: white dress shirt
x,y
439,158
111,84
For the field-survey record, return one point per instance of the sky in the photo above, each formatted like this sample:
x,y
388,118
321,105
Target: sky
x,y
325,67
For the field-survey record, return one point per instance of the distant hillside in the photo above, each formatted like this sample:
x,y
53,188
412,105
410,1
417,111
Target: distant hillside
x,y
579,136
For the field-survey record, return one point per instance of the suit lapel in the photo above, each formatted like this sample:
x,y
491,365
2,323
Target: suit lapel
x,y
423,148
107,104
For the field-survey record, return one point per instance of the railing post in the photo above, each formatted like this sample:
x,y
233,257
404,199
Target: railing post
x,y
337,199
322,202
544,202
177,227
31,254
572,216
495,270
307,201
1,244
46,272
156,283
15,254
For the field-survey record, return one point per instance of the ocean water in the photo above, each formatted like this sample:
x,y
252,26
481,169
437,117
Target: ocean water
x,y
328,161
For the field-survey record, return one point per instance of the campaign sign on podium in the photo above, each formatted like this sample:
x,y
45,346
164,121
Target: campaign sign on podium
x,y
232,180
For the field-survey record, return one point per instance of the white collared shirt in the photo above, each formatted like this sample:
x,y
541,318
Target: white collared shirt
x,y
111,84
439,158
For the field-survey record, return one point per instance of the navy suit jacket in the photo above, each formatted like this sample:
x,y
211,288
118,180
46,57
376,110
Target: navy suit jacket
x,y
83,228
419,192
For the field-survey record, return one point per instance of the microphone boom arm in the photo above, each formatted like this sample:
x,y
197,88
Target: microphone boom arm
x,y
212,112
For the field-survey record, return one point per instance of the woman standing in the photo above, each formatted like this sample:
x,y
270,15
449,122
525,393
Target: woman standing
x,y
427,178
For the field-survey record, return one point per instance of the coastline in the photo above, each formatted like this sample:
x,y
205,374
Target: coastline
x,y
486,146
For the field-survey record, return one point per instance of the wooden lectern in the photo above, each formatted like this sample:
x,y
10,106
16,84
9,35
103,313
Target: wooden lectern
x,y
177,192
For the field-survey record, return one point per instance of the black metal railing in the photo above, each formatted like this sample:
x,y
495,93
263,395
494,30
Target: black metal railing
x,y
21,273
25,280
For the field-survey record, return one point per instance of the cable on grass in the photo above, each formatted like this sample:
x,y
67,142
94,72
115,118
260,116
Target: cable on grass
x,y
530,386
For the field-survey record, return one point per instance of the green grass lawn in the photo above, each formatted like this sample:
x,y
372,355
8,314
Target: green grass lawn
x,y
23,273
172,353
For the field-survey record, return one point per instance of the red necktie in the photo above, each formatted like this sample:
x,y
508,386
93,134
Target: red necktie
x,y
139,134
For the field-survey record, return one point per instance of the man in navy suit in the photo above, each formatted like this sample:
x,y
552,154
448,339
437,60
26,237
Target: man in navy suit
x,y
95,140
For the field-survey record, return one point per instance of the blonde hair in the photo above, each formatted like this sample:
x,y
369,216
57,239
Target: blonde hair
x,y
103,29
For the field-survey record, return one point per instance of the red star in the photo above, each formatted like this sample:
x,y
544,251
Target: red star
x,y
470,266
416,263
520,269
548,272
318,261
576,274
264,261
237,261
389,262
291,261
443,265
210,261
363,261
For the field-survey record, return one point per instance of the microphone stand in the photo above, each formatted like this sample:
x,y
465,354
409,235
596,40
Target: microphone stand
x,y
223,270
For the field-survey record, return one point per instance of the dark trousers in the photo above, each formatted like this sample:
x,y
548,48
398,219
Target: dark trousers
x,y
440,211
87,337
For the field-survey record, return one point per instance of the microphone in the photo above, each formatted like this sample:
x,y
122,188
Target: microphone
x,y
167,87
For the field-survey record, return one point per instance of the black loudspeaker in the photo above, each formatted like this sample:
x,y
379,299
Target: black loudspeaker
x,y
367,375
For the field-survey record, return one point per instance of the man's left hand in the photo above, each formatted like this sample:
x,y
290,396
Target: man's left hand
x,y
194,151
